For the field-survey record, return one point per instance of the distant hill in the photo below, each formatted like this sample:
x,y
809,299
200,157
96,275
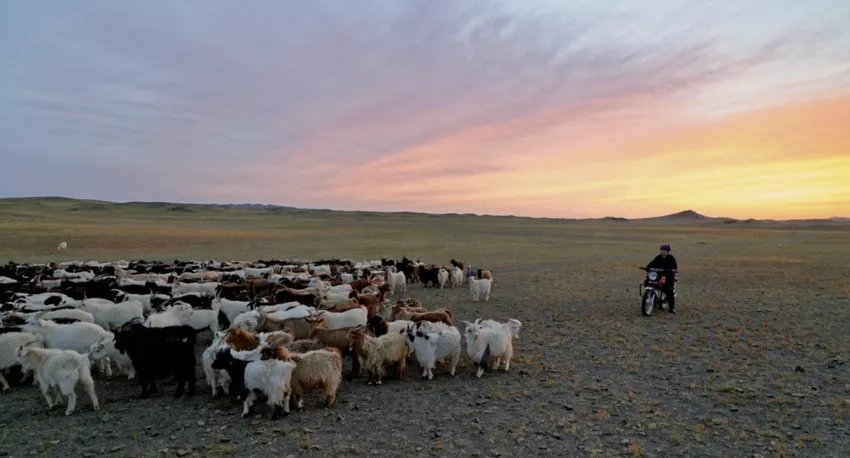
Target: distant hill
x,y
19,205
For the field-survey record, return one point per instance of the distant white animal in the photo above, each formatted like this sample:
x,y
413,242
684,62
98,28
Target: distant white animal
x,y
478,287
443,277
62,246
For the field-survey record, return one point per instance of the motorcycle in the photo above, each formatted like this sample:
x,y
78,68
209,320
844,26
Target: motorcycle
x,y
651,292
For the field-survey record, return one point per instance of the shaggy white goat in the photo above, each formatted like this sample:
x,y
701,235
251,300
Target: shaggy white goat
x,y
62,246
442,277
272,377
489,342
457,277
432,344
397,279
479,287
60,370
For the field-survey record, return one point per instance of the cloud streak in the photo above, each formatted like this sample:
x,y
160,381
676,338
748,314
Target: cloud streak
x,y
538,108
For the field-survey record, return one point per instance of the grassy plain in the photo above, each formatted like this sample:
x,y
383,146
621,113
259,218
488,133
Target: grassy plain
x,y
754,363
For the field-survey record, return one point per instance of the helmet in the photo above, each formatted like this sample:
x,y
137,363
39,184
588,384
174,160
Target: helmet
x,y
665,247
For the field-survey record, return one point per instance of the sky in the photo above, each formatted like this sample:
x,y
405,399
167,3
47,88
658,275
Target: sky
x,y
559,108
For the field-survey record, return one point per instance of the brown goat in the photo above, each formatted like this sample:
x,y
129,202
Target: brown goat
x,y
337,338
300,327
241,340
460,264
275,352
442,315
360,283
400,310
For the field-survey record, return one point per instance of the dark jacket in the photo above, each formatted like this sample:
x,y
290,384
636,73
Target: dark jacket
x,y
660,262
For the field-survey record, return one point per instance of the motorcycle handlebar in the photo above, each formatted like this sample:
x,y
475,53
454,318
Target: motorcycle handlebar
x,y
657,269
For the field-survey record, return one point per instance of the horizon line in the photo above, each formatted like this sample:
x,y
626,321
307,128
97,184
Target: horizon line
x,y
688,213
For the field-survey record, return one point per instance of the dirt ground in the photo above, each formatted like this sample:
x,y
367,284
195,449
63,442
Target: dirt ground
x,y
741,370
754,363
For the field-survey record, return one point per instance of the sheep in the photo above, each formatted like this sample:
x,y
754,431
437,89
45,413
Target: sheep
x,y
104,352
397,279
457,277
431,343
9,343
478,287
216,378
62,246
174,315
442,277
377,352
318,369
108,314
352,317
272,377
60,370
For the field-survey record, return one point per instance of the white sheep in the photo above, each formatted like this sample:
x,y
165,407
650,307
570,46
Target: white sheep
x,y
335,320
442,277
216,378
9,343
397,279
457,277
479,287
62,246
60,370
103,352
431,343
108,314
272,377
175,315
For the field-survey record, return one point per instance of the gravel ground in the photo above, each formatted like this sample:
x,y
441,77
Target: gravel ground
x,y
739,371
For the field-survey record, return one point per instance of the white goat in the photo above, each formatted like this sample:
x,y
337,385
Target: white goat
x,y
231,309
336,320
272,377
457,277
74,314
60,370
108,314
442,277
175,315
492,342
103,352
62,246
205,288
75,336
479,287
432,344
397,279
216,378
9,343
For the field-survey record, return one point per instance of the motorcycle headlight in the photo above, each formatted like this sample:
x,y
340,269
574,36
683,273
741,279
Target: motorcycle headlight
x,y
653,276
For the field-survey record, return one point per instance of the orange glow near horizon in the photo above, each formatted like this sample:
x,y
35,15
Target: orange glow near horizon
x,y
783,162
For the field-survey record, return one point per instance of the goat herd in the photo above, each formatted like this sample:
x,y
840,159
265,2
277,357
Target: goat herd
x,y
278,327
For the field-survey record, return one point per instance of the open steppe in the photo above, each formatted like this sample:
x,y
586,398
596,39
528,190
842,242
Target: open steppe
x,y
753,364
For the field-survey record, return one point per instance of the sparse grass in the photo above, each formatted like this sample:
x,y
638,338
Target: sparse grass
x,y
718,379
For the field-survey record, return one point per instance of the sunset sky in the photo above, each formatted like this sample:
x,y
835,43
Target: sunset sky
x,y
560,108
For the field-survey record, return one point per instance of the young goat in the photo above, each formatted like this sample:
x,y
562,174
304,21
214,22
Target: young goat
x,y
60,370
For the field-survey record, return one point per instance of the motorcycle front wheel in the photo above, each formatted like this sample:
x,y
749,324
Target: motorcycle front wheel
x,y
647,304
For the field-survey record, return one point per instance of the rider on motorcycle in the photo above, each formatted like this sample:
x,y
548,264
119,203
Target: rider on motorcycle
x,y
666,261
